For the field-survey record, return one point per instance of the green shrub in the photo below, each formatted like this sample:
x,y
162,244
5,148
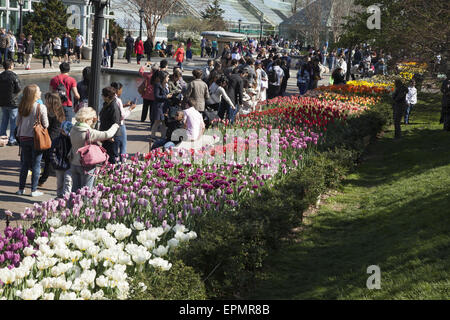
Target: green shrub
x,y
179,283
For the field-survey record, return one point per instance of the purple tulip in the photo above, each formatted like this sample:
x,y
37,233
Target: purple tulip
x,y
31,234
44,234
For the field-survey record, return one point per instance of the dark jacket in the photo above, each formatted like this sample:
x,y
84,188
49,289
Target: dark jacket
x,y
172,125
235,88
53,127
9,89
109,115
113,46
399,96
29,46
338,78
69,43
148,46
129,41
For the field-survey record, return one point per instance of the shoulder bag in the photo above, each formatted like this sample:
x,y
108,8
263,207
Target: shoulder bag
x,y
42,139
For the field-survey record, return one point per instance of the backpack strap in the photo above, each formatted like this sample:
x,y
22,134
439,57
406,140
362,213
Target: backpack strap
x,y
87,140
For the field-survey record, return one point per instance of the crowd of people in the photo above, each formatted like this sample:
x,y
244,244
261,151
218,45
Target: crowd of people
x,y
64,48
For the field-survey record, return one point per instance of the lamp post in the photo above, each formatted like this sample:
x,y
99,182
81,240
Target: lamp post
x,y
141,16
240,20
261,28
94,83
21,4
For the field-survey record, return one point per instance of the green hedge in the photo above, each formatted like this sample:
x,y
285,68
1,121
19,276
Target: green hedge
x,y
229,253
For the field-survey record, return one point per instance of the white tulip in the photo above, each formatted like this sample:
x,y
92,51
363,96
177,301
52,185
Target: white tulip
x,y
160,263
93,251
192,235
41,240
173,243
28,251
160,251
31,283
179,228
85,294
68,296
101,281
138,226
54,222
85,263
48,296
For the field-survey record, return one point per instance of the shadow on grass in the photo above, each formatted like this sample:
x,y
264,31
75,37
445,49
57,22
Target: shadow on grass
x,y
335,252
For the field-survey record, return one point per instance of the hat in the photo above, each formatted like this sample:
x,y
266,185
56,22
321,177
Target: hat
x,y
66,126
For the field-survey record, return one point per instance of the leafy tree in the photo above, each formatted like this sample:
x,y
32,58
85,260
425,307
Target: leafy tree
x,y
48,19
213,16
409,28
116,31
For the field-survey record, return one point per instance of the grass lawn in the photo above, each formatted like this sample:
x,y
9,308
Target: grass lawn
x,y
394,212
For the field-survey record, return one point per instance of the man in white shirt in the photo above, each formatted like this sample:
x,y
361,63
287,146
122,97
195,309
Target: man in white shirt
x,y
193,121
79,43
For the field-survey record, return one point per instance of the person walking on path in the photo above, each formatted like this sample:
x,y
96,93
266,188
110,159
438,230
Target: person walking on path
x,y
4,45
21,49
45,49
57,48
29,111
179,55
148,49
12,46
86,119
114,46
9,92
129,42
109,115
189,49
55,115
399,106
202,47
411,100
70,85
139,49
235,91
107,51
160,82
29,51
79,44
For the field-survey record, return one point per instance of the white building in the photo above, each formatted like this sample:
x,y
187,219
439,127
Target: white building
x,y
9,13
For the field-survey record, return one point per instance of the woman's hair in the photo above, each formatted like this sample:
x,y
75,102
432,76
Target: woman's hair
x,y
28,99
197,73
54,106
86,76
109,92
85,114
117,86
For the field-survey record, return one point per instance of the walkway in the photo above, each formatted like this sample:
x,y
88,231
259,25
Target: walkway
x,y
137,142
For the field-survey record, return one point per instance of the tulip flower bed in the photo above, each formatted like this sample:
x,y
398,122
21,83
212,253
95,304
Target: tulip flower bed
x,y
92,243
356,89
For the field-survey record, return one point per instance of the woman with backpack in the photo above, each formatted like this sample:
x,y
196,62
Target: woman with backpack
x,y
81,133
56,117
30,158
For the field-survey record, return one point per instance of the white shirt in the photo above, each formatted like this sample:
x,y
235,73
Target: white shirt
x,y
280,75
216,93
57,43
124,112
411,96
236,55
194,122
79,41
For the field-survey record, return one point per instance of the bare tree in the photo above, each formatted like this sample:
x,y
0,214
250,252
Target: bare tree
x,y
154,12
311,25
340,10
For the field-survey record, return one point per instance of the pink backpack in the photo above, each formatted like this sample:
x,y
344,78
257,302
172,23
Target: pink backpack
x,y
92,154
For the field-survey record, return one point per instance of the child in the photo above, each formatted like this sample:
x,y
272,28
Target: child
x,y
411,100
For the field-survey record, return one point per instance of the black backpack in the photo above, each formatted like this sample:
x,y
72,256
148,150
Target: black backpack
x,y
59,153
272,75
61,90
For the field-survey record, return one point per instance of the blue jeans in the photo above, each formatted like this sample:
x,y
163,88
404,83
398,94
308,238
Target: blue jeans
x,y
167,144
68,111
3,54
122,141
303,87
29,159
81,179
180,64
231,113
9,114
408,112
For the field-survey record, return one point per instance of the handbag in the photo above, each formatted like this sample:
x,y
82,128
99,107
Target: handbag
x,y
142,87
42,139
92,154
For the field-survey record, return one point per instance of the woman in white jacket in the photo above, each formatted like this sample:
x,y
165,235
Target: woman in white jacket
x,y
411,100
217,94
